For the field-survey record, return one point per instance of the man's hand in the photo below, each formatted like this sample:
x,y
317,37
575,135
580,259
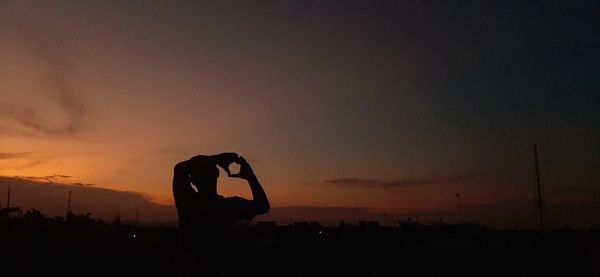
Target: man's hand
x,y
245,169
225,159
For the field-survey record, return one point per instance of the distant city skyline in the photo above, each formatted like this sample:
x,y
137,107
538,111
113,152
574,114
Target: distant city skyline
x,y
51,198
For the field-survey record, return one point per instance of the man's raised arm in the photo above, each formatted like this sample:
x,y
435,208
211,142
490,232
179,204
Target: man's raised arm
x,y
260,203
223,160
182,188
181,175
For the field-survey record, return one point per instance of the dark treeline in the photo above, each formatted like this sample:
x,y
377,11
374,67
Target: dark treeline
x,y
32,244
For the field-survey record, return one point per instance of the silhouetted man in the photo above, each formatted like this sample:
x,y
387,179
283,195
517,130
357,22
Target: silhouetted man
x,y
205,217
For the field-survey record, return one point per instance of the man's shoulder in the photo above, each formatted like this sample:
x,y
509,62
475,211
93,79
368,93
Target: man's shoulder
x,y
240,208
235,199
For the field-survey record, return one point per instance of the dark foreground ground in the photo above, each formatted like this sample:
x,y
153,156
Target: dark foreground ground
x,y
31,245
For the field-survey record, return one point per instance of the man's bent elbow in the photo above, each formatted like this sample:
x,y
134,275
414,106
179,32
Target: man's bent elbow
x,y
263,209
181,167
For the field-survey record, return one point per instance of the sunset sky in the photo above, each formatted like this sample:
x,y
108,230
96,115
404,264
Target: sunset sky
x,y
391,106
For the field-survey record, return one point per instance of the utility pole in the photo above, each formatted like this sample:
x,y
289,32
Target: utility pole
x,y
539,196
8,197
459,207
69,211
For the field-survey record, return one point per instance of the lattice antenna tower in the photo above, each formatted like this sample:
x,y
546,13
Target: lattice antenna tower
x,y
539,197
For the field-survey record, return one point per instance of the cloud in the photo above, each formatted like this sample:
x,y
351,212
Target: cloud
x,y
69,104
29,164
36,118
19,160
49,178
50,197
54,107
83,184
351,182
9,156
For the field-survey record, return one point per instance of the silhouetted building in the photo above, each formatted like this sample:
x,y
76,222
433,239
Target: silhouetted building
x,y
8,212
266,224
368,226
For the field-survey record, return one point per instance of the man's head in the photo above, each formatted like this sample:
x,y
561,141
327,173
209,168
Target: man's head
x,y
204,178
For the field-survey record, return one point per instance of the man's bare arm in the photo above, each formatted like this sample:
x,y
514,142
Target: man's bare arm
x,y
259,202
223,160
181,181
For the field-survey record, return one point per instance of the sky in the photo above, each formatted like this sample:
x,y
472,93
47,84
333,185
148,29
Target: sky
x,y
382,106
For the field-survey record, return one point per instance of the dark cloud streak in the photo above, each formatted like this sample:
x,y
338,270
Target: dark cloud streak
x,y
10,156
18,160
69,103
350,182
50,178
51,198
51,48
